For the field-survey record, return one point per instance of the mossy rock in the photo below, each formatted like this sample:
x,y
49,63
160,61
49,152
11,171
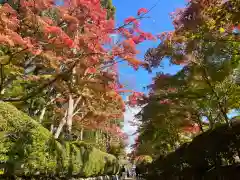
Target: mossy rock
x,y
27,148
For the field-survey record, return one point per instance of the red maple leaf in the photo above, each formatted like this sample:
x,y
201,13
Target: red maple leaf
x,y
142,11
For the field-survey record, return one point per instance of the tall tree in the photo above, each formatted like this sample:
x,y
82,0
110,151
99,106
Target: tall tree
x,y
205,43
58,63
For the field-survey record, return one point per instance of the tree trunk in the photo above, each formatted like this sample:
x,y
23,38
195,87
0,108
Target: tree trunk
x,y
70,113
59,129
221,107
96,136
52,129
44,109
81,134
42,115
76,103
60,126
67,119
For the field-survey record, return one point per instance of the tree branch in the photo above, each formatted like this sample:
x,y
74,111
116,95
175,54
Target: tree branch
x,y
222,109
45,85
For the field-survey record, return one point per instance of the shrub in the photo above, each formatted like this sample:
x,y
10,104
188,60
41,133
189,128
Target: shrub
x,y
27,148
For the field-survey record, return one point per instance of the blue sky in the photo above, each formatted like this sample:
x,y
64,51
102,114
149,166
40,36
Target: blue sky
x,y
159,21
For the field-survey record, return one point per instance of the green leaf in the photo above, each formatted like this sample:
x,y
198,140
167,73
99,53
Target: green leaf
x,y
4,59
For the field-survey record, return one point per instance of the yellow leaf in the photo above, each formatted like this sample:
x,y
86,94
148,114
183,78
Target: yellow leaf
x,y
4,59
222,30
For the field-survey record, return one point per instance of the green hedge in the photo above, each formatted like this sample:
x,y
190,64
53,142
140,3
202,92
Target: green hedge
x,y
212,154
27,148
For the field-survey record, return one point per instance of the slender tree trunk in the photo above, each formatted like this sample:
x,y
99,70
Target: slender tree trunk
x,y
71,108
52,129
96,136
220,105
70,113
60,126
42,115
44,109
76,103
67,119
59,129
81,134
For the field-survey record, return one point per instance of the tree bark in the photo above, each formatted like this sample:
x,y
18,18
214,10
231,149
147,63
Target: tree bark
x,y
60,126
81,134
70,113
42,115
96,136
44,109
67,119
52,129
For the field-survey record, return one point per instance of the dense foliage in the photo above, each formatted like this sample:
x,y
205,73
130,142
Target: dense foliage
x,y
29,149
205,43
213,154
58,64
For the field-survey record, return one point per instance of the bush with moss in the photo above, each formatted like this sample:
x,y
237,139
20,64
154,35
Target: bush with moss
x,y
27,148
